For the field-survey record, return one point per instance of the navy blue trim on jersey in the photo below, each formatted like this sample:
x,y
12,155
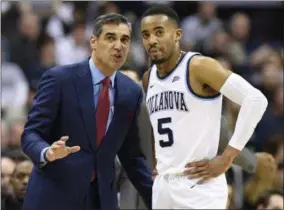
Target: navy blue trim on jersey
x,y
149,74
164,77
189,86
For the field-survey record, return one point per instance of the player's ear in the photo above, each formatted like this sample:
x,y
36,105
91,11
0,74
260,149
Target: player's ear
x,y
178,34
93,42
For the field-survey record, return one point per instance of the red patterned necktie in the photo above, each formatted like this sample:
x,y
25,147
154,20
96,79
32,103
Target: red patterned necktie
x,y
103,108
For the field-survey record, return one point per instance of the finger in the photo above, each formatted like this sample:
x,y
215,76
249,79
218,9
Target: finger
x,y
195,170
58,144
73,149
197,163
55,146
64,138
199,175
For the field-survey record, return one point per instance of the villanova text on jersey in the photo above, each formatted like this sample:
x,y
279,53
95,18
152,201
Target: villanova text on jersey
x,y
167,100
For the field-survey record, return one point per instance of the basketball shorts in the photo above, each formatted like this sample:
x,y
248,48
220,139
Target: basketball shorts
x,y
179,192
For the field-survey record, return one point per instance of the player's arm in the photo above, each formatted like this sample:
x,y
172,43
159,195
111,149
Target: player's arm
x,y
145,81
234,87
247,159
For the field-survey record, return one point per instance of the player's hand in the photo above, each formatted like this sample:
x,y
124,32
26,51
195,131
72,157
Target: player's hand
x,y
59,149
207,169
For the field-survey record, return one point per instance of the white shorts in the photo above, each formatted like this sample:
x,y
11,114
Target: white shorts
x,y
176,192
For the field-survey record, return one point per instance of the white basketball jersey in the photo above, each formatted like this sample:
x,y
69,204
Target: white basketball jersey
x,y
186,126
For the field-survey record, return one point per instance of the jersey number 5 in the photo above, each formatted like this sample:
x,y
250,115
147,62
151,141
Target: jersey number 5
x,y
165,131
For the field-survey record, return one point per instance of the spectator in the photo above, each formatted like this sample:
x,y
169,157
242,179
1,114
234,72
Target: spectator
x,y
275,146
46,49
73,48
19,180
198,29
239,31
218,45
272,199
262,180
23,44
14,89
272,122
7,169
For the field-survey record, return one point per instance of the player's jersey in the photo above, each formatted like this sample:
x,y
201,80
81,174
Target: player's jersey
x,y
186,126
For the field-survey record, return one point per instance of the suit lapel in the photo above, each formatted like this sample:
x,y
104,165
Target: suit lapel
x,y
85,95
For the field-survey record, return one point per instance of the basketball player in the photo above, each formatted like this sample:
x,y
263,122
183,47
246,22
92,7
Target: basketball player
x,y
184,100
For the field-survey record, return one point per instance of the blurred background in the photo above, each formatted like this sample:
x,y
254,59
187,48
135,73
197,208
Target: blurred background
x,y
246,37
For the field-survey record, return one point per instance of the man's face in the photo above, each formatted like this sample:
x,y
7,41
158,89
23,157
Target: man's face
x,y
20,178
79,34
207,10
240,27
112,46
7,168
160,35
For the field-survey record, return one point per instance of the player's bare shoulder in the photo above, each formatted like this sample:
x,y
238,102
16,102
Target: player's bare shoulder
x,y
208,71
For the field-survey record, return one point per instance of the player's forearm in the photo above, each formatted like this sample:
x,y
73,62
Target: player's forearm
x,y
253,105
250,114
246,159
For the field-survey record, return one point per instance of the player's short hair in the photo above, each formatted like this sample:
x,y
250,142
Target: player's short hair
x,y
162,10
108,19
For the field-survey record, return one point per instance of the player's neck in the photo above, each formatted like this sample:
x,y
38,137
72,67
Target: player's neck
x,y
169,65
101,66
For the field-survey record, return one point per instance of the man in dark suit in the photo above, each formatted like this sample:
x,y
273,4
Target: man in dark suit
x,y
84,115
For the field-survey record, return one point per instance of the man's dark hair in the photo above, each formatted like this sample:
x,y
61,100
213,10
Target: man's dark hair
x,y
108,19
15,154
162,10
263,199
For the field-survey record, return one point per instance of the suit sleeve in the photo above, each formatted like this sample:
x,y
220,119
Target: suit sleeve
x,y
134,162
41,117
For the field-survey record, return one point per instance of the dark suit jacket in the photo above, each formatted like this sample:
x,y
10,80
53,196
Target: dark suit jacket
x,y
64,105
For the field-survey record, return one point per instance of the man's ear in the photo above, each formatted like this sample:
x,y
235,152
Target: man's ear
x,y
93,42
179,34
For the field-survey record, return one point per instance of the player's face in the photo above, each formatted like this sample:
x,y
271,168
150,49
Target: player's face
x,y
160,36
112,46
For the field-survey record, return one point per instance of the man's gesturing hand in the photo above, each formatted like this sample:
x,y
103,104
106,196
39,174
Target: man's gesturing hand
x,y
59,150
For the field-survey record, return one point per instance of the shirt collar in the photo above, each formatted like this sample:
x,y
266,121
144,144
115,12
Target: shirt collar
x,y
97,75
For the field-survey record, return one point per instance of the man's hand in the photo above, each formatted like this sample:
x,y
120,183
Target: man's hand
x,y
207,169
59,150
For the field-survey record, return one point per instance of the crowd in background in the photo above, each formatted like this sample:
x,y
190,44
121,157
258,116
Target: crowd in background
x,y
39,35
